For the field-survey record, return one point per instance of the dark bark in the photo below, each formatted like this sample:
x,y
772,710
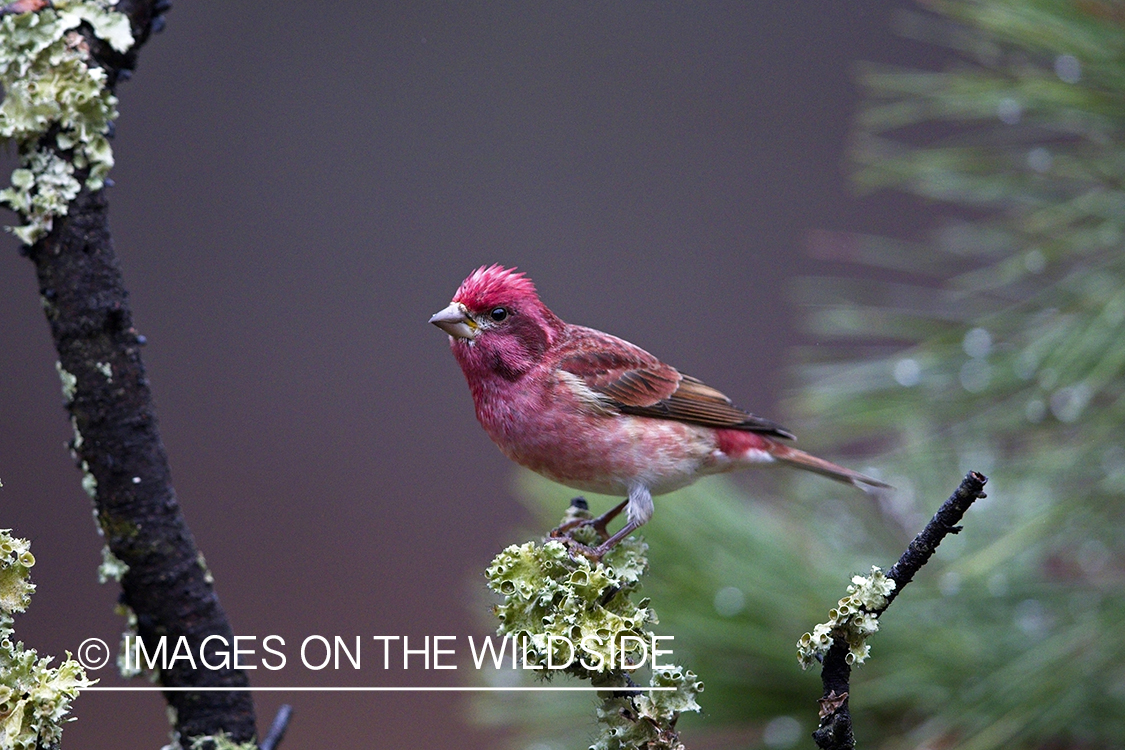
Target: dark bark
x,y
944,522
835,729
277,728
118,445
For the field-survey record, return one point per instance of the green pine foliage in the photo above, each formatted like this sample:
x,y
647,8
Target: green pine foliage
x,y
1000,346
996,343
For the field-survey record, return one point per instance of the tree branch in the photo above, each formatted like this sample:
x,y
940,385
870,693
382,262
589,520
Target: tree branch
x,y
944,522
117,443
277,728
835,730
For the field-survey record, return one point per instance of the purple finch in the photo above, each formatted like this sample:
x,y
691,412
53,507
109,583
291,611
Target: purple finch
x,y
594,412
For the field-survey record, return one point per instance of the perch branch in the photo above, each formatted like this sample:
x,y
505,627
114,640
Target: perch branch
x,y
835,730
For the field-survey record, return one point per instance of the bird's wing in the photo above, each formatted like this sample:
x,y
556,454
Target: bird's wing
x,y
638,383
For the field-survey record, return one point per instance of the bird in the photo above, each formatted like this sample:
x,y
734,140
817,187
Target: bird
x,y
596,413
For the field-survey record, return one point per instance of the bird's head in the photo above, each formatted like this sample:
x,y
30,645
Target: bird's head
x,y
497,322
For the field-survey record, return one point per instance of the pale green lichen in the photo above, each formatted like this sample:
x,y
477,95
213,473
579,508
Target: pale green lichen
x,y
648,720
551,598
201,561
548,593
106,369
220,741
50,88
855,617
173,716
16,587
76,444
128,667
34,698
89,481
69,385
111,568
173,741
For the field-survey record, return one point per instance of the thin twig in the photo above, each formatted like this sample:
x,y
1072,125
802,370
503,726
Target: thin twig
x,y
835,730
277,728
944,522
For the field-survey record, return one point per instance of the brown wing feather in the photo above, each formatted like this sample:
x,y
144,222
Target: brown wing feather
x,y
696,402
638,383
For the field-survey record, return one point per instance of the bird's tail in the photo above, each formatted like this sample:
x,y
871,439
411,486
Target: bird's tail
x,y
808,462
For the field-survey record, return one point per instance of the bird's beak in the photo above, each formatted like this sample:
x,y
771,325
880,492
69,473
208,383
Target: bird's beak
x,y
456,321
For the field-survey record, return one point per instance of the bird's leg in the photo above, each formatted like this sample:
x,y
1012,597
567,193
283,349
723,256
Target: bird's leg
x,y
639,509
610,543
601,522
598,523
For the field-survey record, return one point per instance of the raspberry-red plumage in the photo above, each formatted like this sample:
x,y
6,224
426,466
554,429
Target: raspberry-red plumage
x,y
491,286
593,411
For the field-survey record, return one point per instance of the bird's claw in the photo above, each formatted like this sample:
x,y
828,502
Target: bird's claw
x,y
575,548
598,524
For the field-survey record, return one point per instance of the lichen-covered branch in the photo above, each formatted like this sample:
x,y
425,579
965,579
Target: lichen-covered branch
x,y
76,51
34,697
841,641
566,614
58,104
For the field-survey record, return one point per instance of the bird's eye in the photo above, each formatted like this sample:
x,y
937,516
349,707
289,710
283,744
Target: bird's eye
x,y
498,314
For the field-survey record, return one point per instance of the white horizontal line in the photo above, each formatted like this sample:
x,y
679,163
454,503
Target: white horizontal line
x,y
366,689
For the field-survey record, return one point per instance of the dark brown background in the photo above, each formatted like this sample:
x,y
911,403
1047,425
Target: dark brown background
x,y
300,185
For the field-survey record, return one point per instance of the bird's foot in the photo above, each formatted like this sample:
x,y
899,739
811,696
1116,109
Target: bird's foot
x,y
573,534
577,519
564,530
576,548
582,520
579,540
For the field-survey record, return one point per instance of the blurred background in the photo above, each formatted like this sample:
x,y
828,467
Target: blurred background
x,y
298,189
